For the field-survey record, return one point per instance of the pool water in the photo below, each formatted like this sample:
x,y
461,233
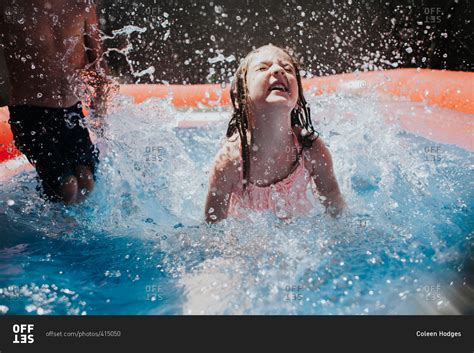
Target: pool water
x,y
138,245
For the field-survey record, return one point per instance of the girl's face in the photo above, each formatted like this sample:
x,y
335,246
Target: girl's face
x,y
271,80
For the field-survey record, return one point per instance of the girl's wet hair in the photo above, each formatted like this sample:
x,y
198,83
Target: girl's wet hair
x,y
300,115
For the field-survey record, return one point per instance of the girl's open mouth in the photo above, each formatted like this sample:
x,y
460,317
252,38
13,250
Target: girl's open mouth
x,y
278,86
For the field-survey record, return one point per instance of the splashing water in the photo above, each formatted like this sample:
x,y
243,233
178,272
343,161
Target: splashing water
x,y
138,244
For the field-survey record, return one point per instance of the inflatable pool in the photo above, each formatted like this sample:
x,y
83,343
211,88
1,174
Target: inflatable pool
x,y
445,89
402,143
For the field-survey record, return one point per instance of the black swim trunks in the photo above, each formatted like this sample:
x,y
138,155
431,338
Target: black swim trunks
x,y
55,141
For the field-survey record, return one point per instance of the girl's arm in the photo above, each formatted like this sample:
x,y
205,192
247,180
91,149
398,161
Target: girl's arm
x,y
224,177
321,169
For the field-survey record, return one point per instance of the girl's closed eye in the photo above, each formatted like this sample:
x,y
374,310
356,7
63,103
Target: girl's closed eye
x,y
288,68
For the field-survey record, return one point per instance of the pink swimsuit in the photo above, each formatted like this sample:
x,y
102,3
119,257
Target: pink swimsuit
x,y
286,198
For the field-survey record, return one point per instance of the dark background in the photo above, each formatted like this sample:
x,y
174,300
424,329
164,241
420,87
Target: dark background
x,y
329,36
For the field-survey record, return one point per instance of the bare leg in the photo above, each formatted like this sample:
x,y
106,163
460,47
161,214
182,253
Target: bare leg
x,y
69,190
85,181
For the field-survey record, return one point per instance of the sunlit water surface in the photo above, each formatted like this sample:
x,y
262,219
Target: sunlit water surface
x,y
138,245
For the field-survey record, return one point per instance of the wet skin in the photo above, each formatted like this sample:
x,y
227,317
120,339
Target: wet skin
x,y
48,46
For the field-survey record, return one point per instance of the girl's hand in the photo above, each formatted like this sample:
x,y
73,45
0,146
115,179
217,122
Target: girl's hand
x,y
335,206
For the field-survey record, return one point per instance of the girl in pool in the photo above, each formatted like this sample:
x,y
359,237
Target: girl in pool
x,y
272,153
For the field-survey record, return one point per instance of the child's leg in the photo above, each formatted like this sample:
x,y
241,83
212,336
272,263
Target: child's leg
x,y
81,152
69,190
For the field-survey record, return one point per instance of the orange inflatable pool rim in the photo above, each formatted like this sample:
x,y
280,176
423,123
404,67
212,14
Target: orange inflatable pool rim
x,y
446,89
